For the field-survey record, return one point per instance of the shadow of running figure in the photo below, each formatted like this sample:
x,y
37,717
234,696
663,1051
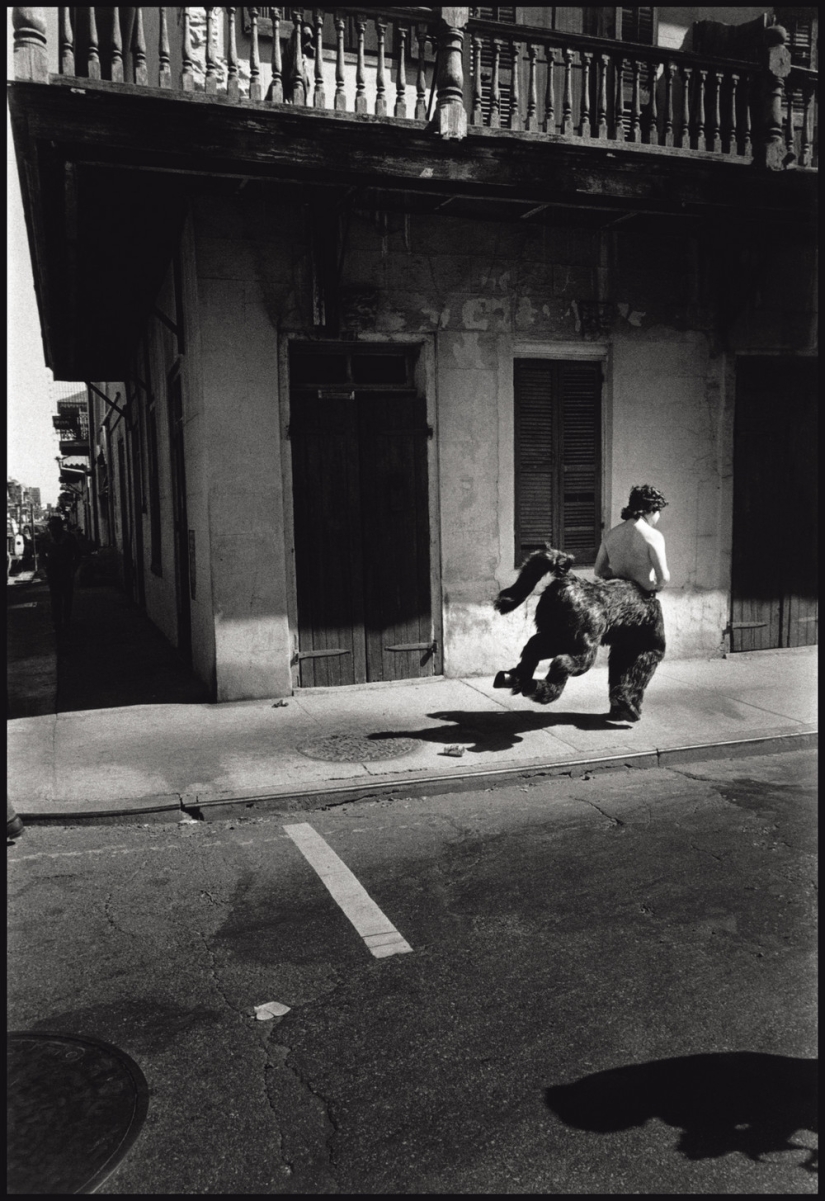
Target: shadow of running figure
x,y
732,1101
573,617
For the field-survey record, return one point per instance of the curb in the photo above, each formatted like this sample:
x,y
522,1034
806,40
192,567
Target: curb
x,y
202,807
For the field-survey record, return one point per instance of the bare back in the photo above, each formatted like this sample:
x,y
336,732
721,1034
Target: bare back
x,y
635,551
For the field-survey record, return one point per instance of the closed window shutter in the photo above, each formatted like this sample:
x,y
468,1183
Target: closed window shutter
x,y
557,457
537,454
638,25
580,387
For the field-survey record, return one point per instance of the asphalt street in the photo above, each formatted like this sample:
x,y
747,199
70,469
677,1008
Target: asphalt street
x,y
657,926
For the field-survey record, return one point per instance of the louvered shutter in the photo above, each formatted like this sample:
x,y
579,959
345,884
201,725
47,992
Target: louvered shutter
x,y
537,456
638,25
506,15
557,457
580,389
802,26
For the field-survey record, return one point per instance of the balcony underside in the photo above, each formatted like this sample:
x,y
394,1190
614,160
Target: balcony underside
x,y
107,174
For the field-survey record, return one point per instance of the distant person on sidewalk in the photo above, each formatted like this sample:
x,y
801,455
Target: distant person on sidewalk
x,y
62,561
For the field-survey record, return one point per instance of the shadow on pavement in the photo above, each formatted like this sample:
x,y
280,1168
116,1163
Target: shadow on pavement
x,y
732,1101
498,731
112,656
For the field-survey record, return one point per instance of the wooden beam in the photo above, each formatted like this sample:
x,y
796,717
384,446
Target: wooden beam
x,y
193,133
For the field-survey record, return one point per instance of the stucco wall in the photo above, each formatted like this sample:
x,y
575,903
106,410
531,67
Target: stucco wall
x,y
244,280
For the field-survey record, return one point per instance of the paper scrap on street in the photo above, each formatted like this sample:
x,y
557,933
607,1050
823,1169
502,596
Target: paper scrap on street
x,y
272,1009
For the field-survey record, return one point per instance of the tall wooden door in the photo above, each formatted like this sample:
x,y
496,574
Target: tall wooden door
x,y
361,514
774,572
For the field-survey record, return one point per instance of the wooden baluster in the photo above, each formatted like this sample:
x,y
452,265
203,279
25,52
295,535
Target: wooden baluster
x,y
93,63
477,117
421,78
380,74
276,87
714,141
360,76
532,98
400,109
255,86
567,95
729,140
516,121
550,95
211,78
790,93
771,150
670,71
66,42
31,55
701,130
747,143
116,65
653,107
340,101
687,114
806,134
233,89
618,132
601,100
450,118
319,98
139,50
164,67
584,124
636,103
297,84
187,76
495,86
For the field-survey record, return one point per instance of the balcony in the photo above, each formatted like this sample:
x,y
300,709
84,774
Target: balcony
x,y
409,65
422,107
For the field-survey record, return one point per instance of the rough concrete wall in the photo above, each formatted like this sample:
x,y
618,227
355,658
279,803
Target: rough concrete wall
x,y
672,427
245,278
199,456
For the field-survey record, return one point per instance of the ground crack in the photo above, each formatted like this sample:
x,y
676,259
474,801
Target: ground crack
x,y
614,821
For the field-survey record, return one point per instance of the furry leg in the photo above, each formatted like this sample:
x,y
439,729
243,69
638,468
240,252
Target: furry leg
x,y
633,660
562,667
520,678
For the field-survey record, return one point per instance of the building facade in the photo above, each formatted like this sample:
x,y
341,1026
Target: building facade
x,y
370,305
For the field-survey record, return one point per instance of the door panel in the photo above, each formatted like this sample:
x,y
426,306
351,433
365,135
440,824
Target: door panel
x,y
395,523
774,577
361,537
327,541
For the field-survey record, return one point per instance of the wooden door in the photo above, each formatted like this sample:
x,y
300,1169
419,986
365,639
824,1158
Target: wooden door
x,y
774,575
362,536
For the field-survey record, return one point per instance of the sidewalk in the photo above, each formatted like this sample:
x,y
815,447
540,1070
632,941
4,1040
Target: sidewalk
x,y
127,736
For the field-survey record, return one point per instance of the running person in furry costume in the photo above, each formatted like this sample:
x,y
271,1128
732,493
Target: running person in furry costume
x,y
620,610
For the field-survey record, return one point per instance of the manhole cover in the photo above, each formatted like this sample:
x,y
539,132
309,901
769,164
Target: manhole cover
x,y
75,1106
355,748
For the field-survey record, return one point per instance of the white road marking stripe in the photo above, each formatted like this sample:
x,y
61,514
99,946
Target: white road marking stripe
x,y
377,931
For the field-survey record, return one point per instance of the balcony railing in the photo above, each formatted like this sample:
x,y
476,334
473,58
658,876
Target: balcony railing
x,y
410,64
